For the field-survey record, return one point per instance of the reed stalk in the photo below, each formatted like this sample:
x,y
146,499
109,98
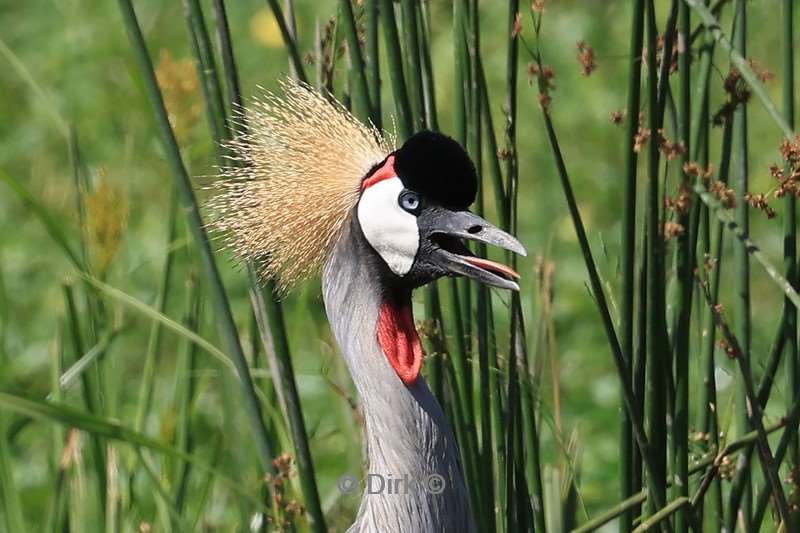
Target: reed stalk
x,y
628,257
220,303
372,60
360,92
270,320
394,56
685,270
790,227
754,412
288,41
657,368
413,61
742,264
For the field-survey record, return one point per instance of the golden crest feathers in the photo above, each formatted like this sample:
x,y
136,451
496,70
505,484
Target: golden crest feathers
x,y
293,179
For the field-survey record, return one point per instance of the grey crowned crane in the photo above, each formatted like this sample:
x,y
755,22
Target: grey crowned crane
x,y
314,189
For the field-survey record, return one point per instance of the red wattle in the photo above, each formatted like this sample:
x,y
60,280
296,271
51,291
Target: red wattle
x,y
399,340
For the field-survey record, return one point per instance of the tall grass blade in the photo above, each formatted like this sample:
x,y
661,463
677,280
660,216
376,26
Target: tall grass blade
x,y
154,341
628,258
360,92
740,62
394,57
288,41
11,503
790,227
113,430
372,60
686,263
222,310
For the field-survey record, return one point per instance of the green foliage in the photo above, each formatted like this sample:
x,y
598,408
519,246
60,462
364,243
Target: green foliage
x,y
203,402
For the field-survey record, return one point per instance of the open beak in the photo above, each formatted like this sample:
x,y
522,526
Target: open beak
x,y
447,231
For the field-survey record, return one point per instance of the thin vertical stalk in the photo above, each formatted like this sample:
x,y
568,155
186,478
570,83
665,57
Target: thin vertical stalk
x,y
89,389
454,297
500,200
712,248
11,506
656,354
790,225
628,259
685,275
741,266
413,62
656,478
755,414
360,92
372,59
154,341
792,421
462,120
184,396
288,41
207,69
226,52
483,302
522,385
427,64
495,387
269,317
221,306
394,55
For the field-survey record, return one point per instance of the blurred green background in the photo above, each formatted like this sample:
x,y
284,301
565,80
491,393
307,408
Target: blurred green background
x,y
69,62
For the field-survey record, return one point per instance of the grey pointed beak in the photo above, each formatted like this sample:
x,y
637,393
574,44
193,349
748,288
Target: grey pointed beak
x,y
446,229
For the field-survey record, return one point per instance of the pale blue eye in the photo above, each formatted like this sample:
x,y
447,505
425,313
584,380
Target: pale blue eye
x,y
410,202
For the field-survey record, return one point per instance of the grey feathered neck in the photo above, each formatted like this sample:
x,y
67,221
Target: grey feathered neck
x,y
406,431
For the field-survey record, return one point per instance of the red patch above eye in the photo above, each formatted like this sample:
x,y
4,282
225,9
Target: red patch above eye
x,y
385,172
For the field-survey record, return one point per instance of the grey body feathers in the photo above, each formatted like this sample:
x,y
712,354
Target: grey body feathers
x,y
407,433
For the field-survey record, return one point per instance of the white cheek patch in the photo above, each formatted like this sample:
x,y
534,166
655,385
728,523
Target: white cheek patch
x,y
391,231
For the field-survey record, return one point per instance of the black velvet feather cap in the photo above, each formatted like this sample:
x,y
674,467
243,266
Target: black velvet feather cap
x,y
437,167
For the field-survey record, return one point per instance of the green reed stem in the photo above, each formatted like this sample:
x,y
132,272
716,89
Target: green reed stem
x,y
206,67
288,41
790,225
184,396
154,341
755,412
12,505
89,390
221,306
708,460
628,258
741,267
428,85
663,514
656,477
657,368
270,320
394,56
413,62
792,421
360,92
685,269
372,60
741,63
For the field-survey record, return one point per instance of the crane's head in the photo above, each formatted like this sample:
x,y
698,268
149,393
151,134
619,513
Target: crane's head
x,y
306,166
413,212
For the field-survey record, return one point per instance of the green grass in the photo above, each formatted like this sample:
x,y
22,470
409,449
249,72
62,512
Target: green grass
x,y
187,380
